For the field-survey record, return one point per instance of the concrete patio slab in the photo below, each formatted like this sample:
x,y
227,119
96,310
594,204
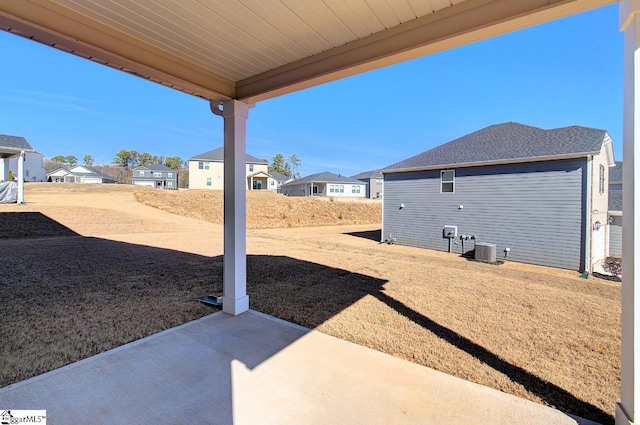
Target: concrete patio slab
x,y
255,369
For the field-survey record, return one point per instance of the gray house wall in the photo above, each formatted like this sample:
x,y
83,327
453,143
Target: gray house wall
x,y
615,236
535,209
374,188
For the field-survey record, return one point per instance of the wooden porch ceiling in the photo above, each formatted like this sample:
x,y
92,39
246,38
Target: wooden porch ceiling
x,y
253,50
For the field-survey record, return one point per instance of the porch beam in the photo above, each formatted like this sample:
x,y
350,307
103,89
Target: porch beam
x,y
235,300
626,410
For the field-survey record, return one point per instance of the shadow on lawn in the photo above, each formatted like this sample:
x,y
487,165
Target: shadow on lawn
x,y
549,392
374,235
72,288
31,225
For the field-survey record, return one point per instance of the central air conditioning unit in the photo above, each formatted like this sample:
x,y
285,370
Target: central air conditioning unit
x,y
486,252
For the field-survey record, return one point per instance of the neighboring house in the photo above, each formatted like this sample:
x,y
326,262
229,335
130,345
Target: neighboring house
x,y
325,184
615,210
373,181
79,174
10,148
541,196
277,180
206,171
155,175
33,169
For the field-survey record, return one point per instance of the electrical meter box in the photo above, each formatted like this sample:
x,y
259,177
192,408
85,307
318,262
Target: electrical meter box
x,y
450,231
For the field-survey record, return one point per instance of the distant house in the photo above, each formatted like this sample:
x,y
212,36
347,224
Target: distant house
x,y
325,184
373,181
79,174
615,210
10,148
33,168
206,171
541,196
155,175
277,180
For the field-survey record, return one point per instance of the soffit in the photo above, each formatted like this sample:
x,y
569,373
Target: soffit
x,y
257,49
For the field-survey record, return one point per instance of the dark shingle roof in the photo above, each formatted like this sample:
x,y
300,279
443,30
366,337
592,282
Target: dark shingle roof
x,y
615,200
218,155
506,142
374,174
156,167
14,143
615,173
325,177
93,171
279,177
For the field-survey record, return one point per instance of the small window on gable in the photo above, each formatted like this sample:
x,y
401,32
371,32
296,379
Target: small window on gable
x,y
601,188
447,181
250,167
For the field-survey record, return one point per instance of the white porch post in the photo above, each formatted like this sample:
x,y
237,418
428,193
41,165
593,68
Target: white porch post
x,y
21,178
626,410
5,169
235,299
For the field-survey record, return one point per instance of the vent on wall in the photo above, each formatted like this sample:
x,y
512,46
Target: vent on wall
x,y
486,252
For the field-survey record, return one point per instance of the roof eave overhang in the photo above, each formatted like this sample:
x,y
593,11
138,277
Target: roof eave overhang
x,y
461,24
13,151
608,148
488,163
59,27
466,22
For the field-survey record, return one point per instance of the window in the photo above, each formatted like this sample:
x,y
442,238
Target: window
x,y
353,189
331,188
203,165
341,188
357,189
250,167
447,181
169,174
208,181
157,174
601,188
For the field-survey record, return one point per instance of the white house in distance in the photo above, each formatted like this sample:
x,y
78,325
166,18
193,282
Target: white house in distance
x,y
206,171
79,174
325,184
33,169
277,180
10,148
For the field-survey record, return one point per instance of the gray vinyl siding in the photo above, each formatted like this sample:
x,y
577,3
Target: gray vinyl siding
x,y
615,236
374,188
297,190
535,209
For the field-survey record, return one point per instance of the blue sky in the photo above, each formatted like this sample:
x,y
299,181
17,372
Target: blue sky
x,y
567,72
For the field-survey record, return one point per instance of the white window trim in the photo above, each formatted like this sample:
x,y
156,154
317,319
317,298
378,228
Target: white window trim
x,y
452,181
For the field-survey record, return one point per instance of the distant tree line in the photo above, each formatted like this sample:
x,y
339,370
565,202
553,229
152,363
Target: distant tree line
x,y
287,166
125,160
122,164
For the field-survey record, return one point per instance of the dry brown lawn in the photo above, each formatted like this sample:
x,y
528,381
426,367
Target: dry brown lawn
x,y
91,268
267,209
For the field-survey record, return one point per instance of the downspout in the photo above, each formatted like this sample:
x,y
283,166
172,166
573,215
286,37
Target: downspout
x,y
382,228
587,219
